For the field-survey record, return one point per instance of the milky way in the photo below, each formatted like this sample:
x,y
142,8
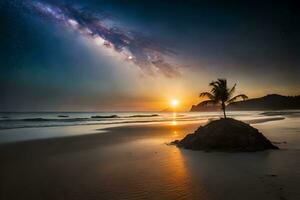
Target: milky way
x,y
103,29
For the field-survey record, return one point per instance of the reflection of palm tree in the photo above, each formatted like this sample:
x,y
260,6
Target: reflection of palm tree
x,y
221,94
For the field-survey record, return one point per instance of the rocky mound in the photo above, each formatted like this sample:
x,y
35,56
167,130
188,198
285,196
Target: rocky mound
x,y
226,135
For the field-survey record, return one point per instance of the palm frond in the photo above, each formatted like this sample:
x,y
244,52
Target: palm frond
x,y
222,81
208,102
231,91
206,94
242,96
213,84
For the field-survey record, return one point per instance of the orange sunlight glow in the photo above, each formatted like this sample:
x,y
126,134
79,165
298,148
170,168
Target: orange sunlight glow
x,y
174,102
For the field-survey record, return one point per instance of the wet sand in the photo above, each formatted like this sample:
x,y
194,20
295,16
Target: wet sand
x,y
134,162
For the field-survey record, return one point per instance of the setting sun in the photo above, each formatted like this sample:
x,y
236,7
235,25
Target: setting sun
x,y
174,102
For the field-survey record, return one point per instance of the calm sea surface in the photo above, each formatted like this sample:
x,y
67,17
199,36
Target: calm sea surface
x,y
35,125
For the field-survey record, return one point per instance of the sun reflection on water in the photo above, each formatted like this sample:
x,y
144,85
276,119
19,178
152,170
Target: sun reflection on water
x,y
175,133
174,121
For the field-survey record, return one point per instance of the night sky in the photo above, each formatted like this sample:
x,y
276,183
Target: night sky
x,y
93,55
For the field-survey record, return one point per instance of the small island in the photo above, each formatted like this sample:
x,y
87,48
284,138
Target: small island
x,y
225,134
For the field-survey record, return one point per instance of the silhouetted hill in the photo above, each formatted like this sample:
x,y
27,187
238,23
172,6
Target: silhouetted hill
x,y
269,102
205,108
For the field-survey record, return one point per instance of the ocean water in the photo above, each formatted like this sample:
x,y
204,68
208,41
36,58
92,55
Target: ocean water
x,y
17,126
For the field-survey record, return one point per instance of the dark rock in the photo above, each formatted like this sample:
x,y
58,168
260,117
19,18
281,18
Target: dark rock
x,y
104,116
226,135
150,115
272,175
175,142
63,115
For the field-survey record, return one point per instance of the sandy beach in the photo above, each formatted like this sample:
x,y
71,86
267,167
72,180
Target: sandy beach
x,y
135,162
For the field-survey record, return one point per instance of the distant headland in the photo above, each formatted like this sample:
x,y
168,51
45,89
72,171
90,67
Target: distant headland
x,y
268,102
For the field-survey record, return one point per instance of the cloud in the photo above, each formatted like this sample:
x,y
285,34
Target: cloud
x,y
101,27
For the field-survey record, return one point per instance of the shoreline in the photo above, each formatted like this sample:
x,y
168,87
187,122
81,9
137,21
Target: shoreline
x,y
103,137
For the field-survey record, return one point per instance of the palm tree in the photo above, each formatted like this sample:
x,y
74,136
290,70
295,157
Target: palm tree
x,y
221,94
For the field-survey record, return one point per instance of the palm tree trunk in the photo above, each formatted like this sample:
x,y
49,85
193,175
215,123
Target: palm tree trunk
x,y
223,108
